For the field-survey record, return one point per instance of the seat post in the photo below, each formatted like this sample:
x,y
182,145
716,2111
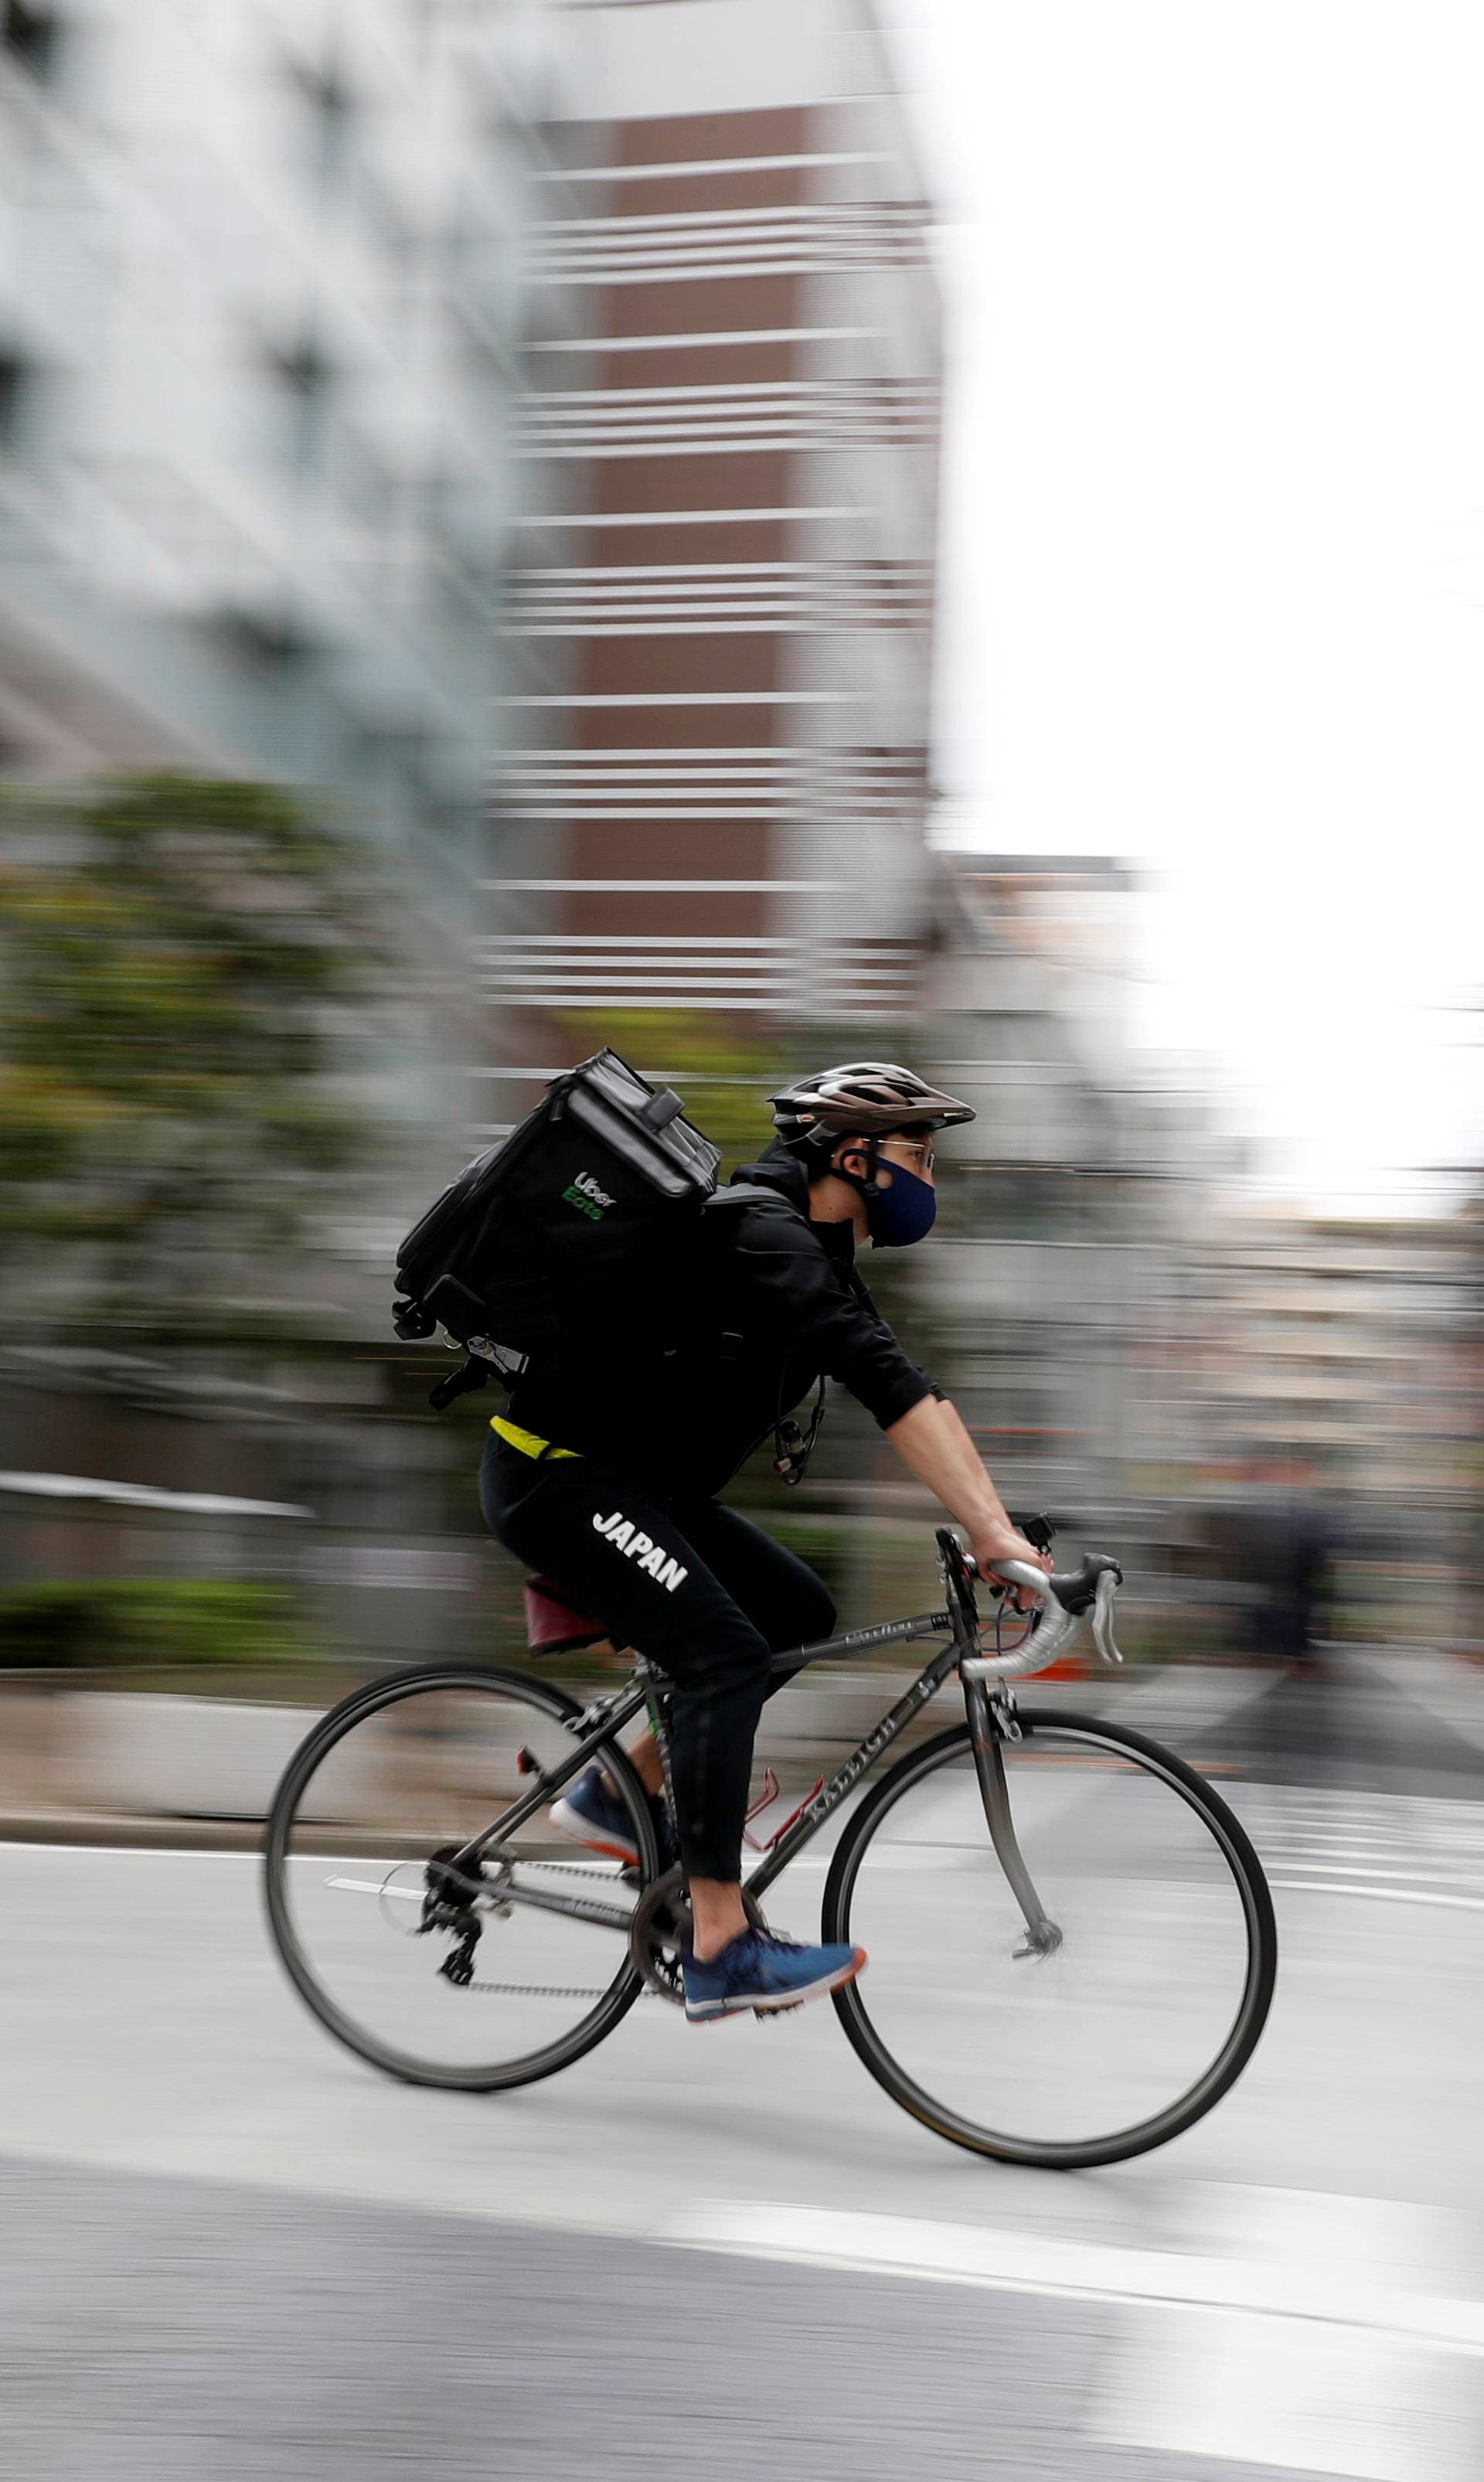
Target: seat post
x,y
657,1687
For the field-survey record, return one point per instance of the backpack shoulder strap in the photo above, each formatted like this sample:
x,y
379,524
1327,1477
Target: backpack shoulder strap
x,y
748,1193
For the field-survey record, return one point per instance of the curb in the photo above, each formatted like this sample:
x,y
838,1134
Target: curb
x,y
105,1828
153,1833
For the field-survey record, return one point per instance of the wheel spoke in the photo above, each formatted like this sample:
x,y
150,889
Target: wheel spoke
x,y
1119,2016
404,1952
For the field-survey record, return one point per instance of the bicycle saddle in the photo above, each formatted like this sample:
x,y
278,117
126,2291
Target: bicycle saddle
x,y
553,1625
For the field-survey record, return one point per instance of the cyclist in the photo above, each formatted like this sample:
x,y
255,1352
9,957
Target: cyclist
x,y
603,1477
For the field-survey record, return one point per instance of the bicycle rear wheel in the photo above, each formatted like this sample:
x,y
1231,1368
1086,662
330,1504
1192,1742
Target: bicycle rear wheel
x,y
1134,2025
475,1989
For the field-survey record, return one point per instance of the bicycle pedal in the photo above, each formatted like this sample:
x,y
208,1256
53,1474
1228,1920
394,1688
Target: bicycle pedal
x,y
786,2010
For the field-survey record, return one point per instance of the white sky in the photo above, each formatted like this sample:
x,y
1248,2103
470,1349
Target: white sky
x,y
1214,521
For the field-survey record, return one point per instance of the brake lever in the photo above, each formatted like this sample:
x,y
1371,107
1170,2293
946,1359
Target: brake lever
x,y
1056,1630
1104,1598
1049,1616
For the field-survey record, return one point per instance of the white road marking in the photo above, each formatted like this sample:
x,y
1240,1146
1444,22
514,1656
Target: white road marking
x,y
1381,1896
1362,1857
1278,1877
1433,1850
1250,2391
1042,2262
1319,1860
377,1887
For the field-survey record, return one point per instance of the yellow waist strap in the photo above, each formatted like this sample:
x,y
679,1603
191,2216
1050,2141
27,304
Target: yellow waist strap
x,y
527,1442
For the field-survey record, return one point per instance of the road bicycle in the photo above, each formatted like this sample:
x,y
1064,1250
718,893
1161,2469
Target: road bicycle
x,y
1072,1943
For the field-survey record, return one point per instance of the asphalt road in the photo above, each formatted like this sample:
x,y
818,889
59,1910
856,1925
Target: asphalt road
x,y
235,2251
164,2331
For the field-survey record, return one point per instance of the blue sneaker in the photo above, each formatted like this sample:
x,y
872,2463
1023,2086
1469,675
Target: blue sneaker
x,y
591,1814
761,1971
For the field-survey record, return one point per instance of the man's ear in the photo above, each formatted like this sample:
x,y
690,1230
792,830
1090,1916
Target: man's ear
x,y
852,1155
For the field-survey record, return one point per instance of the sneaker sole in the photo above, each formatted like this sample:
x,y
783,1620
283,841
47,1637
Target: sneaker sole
x,y
578,1830
713,2012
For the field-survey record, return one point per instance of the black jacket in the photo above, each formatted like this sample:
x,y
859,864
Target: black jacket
x,y
774,1304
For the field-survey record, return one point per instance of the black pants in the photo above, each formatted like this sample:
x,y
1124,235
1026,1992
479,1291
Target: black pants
x,y
706,1594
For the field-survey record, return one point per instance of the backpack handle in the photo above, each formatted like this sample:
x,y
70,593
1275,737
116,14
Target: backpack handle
x,y
662,1107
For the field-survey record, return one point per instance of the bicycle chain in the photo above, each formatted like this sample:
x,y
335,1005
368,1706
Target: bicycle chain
x,y
533,1862
549,1989
537,1990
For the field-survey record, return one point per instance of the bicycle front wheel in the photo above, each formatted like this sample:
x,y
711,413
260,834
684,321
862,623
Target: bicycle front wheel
x,y
1135,2022
441,1977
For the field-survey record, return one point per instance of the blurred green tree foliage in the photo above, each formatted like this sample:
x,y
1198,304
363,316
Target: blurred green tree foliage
x,y
148,1621
172,951
725,1079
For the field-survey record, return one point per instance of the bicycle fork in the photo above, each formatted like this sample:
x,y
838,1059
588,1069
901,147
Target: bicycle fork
x,y
987,1728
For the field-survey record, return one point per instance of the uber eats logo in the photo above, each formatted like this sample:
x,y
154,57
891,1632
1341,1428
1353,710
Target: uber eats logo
x,y
584,1192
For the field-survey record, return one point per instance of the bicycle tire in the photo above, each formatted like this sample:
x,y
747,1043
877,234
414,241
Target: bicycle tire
x,y
331,1729
852,2004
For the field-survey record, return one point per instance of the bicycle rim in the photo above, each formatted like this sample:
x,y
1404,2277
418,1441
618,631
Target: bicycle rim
x,y
397,1774
1136,2023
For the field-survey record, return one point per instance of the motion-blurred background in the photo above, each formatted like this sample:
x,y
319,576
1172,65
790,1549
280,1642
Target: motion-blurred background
x,y
756,532
471,491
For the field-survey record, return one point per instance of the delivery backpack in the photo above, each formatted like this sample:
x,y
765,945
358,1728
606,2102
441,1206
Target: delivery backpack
x,y
591,1197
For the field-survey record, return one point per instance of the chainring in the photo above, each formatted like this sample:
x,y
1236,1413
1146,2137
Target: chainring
x,y
662,1925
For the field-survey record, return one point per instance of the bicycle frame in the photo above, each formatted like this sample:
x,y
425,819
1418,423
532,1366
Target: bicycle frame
x,y
923,1813
597,1727
607,1717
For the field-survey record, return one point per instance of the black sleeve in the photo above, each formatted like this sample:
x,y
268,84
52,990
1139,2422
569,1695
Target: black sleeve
x,y
798,1294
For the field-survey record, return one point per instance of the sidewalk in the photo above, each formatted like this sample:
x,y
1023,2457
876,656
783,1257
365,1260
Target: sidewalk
x,y
120,1768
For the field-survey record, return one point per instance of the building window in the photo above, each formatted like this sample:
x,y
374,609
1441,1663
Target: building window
x,y
13,379
29,36
262,644
306,380
331,113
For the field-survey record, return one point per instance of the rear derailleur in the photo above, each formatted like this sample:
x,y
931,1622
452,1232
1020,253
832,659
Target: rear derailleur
x,y
445,1907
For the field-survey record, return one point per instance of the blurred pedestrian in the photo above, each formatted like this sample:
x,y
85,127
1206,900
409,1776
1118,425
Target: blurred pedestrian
x,y
1285,1538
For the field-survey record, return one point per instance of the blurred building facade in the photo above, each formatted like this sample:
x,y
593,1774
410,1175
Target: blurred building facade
x,y
1344,1357
258,303
369,373
1065,1287
260,297
711,788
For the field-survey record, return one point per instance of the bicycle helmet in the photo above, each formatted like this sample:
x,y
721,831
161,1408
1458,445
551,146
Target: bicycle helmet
x,y
860,1098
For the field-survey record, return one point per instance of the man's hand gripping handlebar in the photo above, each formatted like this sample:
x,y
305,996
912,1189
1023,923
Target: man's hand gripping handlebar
x,y
1082,1593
